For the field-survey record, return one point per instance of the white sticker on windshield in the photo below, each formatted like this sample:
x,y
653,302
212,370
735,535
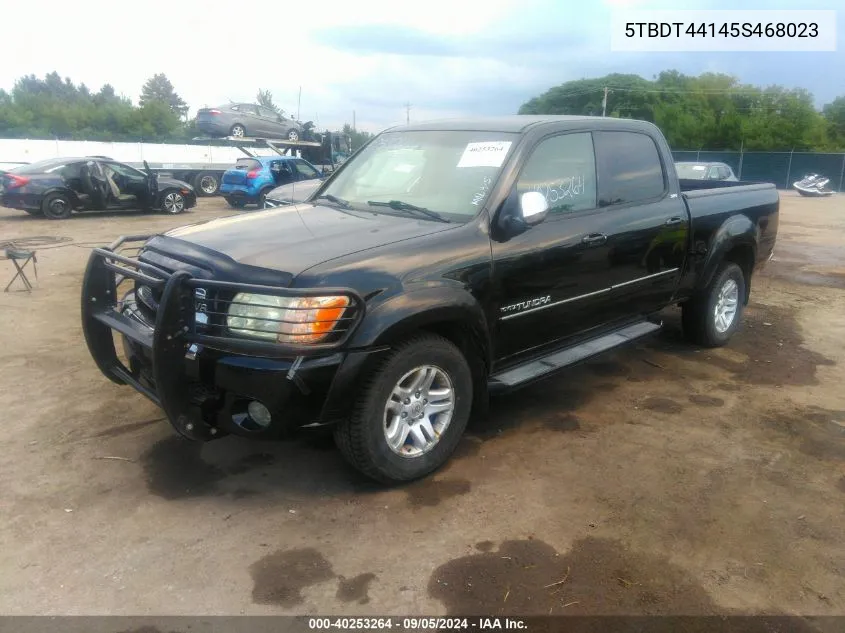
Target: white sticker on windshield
x,y
404,168
698,167
491,154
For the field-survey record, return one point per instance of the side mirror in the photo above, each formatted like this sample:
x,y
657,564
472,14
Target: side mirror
x,y
533,207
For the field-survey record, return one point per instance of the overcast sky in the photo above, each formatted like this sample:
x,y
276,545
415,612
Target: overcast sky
x,y
444,57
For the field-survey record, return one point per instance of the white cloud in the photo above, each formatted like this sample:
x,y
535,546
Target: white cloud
x,y
446,57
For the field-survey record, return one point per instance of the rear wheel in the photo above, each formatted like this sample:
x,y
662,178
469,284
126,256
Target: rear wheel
x,y
712,317
56,206
410,413
237,130
173,202
262,197
293,135
206,183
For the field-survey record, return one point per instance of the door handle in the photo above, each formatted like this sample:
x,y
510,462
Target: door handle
x,y
673,221
594,239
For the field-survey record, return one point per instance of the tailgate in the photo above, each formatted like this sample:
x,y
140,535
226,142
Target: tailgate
x,y
234,177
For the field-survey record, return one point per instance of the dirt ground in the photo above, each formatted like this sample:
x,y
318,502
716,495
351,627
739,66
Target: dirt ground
x,y
662,479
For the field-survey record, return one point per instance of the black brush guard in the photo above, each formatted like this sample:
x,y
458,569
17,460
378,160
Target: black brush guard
x,y
175,328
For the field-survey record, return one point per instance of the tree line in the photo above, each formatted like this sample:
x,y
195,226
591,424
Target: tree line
x,y
712,111
56,108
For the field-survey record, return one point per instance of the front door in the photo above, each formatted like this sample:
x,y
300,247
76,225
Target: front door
x,y
549,278
132,185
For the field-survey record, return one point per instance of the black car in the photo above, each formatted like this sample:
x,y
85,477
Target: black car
x,y
58,186
441,263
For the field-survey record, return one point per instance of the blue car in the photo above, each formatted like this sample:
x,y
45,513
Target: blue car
x,y
251,179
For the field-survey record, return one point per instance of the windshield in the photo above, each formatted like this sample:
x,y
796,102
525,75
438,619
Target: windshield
x,y
690,171
447,172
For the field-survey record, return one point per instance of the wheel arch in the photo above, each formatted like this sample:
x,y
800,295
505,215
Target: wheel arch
x,y
446,311
735,241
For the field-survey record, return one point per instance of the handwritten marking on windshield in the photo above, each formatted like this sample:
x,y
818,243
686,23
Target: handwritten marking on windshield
x,y
482,192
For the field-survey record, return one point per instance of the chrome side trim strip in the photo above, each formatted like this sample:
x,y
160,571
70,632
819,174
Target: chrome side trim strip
x,y
639,279
556,303
590,294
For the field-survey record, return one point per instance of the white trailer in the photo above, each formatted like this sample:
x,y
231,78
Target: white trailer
x,y
200,163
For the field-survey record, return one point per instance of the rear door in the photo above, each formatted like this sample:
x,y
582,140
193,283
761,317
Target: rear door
x,y
255,125
646,226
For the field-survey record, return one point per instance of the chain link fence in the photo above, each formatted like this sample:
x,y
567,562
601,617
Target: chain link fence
x,y
781,168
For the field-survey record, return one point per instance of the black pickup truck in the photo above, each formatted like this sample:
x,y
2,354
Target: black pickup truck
x,y
443,262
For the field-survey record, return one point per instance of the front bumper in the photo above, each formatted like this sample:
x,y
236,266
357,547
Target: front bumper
x,y
204,380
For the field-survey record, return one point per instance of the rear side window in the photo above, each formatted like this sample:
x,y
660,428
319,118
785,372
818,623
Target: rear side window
x,y
247,164
629,168
563,169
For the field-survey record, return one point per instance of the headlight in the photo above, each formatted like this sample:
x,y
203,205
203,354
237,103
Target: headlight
x,y
285,319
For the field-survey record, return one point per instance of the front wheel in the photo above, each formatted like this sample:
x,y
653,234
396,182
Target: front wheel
x,y
236,203
712,317
293,135
410,413
173,203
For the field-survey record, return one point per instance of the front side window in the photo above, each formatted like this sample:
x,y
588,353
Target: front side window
x,y
306,170
449,172
629,168
563,169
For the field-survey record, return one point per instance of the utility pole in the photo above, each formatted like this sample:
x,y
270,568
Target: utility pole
x,y
298,103
407,113
604,103
353,121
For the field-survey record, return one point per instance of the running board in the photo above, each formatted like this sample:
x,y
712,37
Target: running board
x,y
569,356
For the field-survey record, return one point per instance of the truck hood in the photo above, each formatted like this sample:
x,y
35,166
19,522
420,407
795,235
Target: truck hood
x,y
294,238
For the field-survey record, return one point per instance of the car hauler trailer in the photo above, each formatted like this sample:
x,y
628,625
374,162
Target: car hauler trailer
x,y
200,163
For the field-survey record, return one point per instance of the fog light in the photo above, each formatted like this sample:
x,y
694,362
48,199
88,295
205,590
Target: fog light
x,y
259,413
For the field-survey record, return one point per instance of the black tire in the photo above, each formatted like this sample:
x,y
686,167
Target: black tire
x,y
56,206
206,183
172,202
699,313
361,439
293,135
236,203
263,196
238,130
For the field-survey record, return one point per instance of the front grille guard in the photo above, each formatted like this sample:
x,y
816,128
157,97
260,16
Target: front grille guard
x,y
176,327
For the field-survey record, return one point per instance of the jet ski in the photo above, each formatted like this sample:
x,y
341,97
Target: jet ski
x,y
814,186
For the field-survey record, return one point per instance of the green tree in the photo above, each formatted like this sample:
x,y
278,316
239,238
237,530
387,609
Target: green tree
x,y
711,111
834,115
357,137
265,98
158,88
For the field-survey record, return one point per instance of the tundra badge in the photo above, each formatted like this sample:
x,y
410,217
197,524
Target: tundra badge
x,y
526,305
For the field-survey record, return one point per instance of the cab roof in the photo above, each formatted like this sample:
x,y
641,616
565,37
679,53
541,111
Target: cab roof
x,y
520,123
